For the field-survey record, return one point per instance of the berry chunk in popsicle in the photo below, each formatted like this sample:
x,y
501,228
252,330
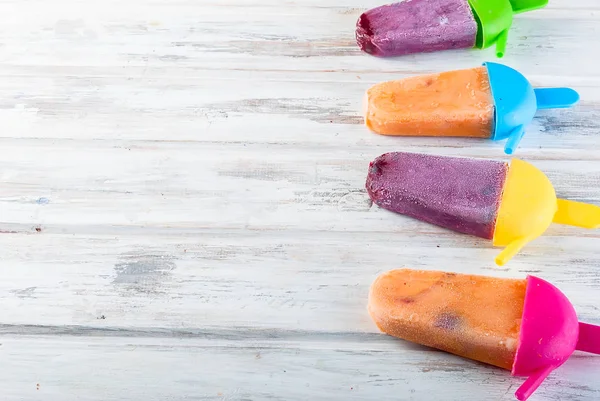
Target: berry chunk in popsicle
x,y
508,203
421,26
526,325
492,101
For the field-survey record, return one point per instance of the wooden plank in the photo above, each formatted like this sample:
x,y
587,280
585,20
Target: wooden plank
x,y
216,186
245,366
194,279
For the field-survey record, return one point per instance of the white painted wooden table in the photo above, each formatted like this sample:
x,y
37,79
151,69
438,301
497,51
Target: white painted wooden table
x,y
183,211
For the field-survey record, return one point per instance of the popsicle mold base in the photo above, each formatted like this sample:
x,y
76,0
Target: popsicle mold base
x,y
526,326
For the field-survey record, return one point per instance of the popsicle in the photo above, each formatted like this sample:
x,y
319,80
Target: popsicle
x,y
420,26
527,326
491,101
509,203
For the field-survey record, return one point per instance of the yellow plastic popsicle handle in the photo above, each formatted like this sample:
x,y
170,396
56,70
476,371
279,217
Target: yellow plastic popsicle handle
x,y
577,214
527,209
511,250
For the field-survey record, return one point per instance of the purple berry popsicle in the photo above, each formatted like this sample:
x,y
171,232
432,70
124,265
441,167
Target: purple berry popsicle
x,y
459,194
419,26
416,26
508,203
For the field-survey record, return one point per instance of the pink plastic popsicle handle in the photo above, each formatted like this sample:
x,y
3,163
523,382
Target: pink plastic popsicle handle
x,y
589,338
532,383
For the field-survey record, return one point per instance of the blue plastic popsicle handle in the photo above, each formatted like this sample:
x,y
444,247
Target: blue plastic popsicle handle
x,y
555,98
516,102
513,140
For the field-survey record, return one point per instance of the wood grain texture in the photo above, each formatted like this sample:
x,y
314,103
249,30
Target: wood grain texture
x,y
183,213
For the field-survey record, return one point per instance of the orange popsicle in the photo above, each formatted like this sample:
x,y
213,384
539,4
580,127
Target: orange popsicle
x,y
451,103
476,317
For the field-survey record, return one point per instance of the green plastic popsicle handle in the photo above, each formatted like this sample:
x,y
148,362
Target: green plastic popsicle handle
x,y
494,19
521,6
